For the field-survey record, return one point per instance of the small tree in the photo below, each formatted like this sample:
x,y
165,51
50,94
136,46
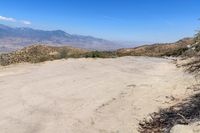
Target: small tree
x,y
197,36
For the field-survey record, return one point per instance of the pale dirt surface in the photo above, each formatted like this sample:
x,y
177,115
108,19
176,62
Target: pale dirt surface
x,y
181,129
191,128
87,95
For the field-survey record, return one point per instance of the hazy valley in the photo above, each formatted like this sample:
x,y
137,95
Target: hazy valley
x,y
13,38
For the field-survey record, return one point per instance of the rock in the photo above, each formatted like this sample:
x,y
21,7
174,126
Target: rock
x,y
192,128
181,129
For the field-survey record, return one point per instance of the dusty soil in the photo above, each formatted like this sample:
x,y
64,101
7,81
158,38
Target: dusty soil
x,y
88,95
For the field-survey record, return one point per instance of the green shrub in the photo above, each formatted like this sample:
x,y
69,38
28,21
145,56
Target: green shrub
x,y
100,54
63,54
176,52
197,37
93,54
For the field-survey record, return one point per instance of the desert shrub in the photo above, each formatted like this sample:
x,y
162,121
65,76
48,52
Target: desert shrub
x,y
3,61
93,54
63,54
176,52
100,54
197,37
41,59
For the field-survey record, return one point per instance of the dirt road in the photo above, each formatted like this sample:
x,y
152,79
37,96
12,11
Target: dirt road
x,y
87,95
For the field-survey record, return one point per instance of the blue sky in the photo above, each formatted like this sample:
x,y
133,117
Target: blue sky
x,y
125,20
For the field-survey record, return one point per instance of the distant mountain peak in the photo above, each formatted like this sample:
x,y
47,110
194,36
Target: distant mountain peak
x,y
19,37
4,27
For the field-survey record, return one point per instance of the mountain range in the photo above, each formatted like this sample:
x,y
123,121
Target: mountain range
x,y
13,38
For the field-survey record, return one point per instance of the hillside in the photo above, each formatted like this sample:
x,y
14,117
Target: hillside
x,y
191,60
168,49
40,53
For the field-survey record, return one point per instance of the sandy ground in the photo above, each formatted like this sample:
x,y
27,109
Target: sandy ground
x,y
87,95
191,128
